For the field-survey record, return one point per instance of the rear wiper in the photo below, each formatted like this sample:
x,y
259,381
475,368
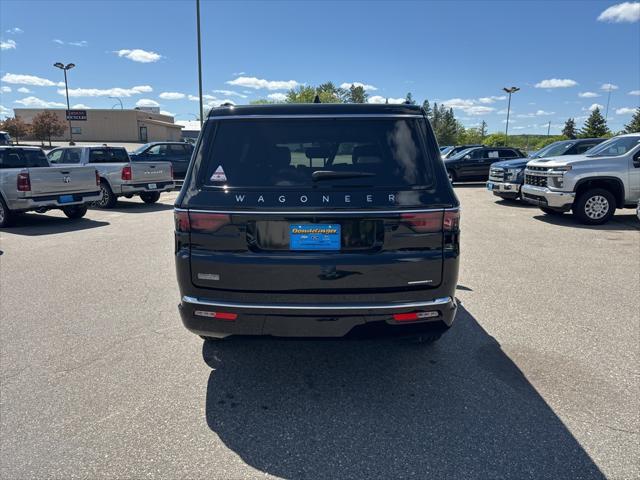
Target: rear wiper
x,y
331,174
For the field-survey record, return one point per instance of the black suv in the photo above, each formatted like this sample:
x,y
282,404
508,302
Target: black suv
x,y
317,220
178,153
474,163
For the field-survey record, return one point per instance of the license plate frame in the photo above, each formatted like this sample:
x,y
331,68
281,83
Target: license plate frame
x,y
315,237
65,199
152,186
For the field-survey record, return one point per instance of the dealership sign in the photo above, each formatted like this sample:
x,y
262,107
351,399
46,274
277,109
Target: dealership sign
x,y
76,115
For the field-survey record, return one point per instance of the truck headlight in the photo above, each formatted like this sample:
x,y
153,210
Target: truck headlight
x,y
560,170
512,173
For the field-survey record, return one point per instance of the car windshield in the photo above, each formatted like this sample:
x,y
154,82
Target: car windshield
x,y
328,152
445,150
614,147
141,149
553,150
461,154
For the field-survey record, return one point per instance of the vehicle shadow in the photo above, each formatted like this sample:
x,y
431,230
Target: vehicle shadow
x,y
514,203
124,206
618,222
35,224
386,408
469,185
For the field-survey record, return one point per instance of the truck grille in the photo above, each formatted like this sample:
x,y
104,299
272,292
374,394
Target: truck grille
x,y
496,174
536,176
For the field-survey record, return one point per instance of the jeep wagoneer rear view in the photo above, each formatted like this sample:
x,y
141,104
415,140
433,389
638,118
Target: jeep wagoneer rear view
x,y
317,220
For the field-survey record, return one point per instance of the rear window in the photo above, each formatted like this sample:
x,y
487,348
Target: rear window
x,y
108,155
19,158
345,153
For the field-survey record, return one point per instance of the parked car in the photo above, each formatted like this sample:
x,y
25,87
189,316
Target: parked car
x,y
317,220
27,183
457,149
474,163
5,139
118,175
592,185
445,150
506,178
177,153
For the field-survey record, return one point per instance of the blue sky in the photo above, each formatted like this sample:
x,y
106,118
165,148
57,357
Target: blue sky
x,y
462,53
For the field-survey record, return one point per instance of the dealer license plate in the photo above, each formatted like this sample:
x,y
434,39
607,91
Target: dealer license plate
x,y
316,236
65,199
152,186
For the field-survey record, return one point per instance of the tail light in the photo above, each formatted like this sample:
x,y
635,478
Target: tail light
x,y
97,179
199,222
217,315
414,316
451,221
126,173
427,222
24,182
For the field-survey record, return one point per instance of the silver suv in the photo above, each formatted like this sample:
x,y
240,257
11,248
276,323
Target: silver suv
x,y
592,186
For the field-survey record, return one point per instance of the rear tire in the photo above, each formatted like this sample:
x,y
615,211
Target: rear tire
x,y
6,217
108,199
594,207
552,211
150,197
75,211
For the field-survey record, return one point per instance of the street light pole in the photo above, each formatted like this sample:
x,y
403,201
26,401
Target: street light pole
x,y
549,128
506,131
606,114
118,98
199,59
64,68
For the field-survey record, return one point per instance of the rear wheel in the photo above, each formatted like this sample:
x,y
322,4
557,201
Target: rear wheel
x,y
552,211
150,197
6,217
75,211
107,199
594,207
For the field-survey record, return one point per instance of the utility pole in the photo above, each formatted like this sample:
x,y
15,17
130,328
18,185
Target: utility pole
x,y
118,98
549,128
506,130
606,114
199,60
64,68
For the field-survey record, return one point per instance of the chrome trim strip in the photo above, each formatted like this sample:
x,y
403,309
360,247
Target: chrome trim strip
x,y
315,212
372,306
293,115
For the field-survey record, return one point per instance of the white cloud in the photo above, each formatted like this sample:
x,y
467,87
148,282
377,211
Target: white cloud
x,y
195,98
634,92
588,94
147,102
541,113
14,30
58,41
230,93
608,86
164,112
80,106
365,86
277,97
381,99
556,83
468,106
479,110
81,43
189,124
107,92
5,89
4,111
9,44
622,12
138,55
594,106
217,102
172,95
237,74
24,90
29,80
491,99
625,111
36,102
260,83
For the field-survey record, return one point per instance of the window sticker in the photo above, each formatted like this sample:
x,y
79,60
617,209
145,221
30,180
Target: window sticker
x,y
493,154
219,175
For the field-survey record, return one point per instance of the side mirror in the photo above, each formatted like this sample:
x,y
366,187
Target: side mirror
x,y
467,157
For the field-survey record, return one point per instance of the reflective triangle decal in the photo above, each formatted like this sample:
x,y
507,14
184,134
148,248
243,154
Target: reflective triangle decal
x,y
218,175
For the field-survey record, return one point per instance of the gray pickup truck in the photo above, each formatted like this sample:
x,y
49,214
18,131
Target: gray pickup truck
x,y
27,182
592,185
119,176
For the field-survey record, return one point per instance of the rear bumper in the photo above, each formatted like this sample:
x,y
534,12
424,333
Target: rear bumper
x,y
52,201
504,188
544,197
307,320
134,188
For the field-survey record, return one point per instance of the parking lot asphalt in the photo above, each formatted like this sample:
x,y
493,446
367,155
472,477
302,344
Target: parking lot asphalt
x,y
537,379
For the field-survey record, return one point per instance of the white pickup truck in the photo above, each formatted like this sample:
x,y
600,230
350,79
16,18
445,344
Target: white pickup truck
x,y
27,182
119,176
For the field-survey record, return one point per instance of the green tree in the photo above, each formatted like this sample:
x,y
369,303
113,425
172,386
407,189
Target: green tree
x,y
15,127
448,127
483,130
409,99
355,94
595,125
327,92
261,101
569,129
46,125
496,140
634,124
427,109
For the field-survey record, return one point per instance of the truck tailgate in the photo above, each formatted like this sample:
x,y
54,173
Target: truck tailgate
x,y
143,172
68,179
